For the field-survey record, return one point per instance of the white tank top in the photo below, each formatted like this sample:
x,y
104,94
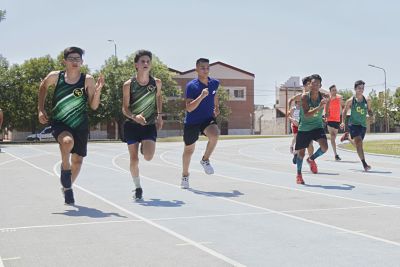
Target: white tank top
x,y
296,114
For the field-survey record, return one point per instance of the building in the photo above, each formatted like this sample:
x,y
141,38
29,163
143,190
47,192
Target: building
x,y
240,86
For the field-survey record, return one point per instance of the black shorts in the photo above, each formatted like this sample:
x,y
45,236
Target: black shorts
x,y
135,133
334,124
191,132
357,130
304,138
80,137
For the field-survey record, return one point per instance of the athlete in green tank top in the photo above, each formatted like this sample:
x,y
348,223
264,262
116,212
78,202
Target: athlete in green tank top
x,y
359,111
311,126
308,123
142,106
358,120
70,103
143,99
73,92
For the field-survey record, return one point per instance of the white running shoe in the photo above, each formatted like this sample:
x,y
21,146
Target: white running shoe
x,y
208,169
185,182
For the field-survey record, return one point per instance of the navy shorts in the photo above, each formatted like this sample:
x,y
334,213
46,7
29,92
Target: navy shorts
x,y
191,132
135,133
304,138
334,124
357,130
80,137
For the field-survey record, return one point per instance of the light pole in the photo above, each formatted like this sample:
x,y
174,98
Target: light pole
x,y
115,48
385,97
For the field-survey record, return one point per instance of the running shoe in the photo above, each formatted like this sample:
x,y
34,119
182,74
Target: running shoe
x,y
299,179
313,165
294,160
185,182
138,193
69,196
208,169
337,157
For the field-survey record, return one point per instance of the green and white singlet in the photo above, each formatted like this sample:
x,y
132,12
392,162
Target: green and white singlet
x,y
143,99
358,112
314,122
70,103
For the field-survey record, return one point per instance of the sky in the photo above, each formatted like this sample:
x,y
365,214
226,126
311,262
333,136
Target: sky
x,y
272,39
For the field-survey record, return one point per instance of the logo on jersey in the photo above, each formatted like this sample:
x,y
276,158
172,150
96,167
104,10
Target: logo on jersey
x,y
78,92
213,92
151,88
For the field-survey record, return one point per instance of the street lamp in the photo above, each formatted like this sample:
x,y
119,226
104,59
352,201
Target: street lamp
x,y
385,96
115,48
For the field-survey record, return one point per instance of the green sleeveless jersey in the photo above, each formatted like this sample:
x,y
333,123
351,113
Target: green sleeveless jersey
x,y
358,112
143,99
70,103
314,122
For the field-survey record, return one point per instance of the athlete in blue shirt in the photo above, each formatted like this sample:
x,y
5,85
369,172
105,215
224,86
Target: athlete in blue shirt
x,y
201,111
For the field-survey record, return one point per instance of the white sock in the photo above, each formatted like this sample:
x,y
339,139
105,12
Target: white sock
x,y
136,181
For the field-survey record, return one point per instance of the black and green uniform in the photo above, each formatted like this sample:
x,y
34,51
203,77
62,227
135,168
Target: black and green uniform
x,y
69,112
142,100
310,128
70,103
358,118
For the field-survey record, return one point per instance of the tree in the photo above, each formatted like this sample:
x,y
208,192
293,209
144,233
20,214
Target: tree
x,y
2,15
395,112
346,94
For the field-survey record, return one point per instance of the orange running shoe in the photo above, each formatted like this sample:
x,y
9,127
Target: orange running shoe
x,y
313,165
299,179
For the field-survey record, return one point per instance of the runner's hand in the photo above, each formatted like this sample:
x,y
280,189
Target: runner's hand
x,y
204,93
140,119
43,119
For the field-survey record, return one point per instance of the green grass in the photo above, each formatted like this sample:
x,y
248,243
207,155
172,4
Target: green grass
x,y
388,147
221,137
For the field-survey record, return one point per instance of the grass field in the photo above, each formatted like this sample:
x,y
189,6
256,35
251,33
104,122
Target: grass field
x,y
389,147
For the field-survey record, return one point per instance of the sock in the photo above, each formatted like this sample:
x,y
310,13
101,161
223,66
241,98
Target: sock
x,y
364,163
317,154
136,181
299,163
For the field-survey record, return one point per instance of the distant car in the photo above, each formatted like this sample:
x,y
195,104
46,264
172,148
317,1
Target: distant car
x,y
45,134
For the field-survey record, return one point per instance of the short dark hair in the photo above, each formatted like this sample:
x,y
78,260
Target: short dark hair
x,y
357,83
202,60
306,80
316,77
330,87
141,53
73,49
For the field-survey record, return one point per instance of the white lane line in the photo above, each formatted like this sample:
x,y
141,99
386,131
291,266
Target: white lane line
x,y
160,227
14,229
1,262
31,164
173,165
289,215
187,244
326,169
11,259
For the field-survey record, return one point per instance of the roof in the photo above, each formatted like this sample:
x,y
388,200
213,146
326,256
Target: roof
x,y
212,64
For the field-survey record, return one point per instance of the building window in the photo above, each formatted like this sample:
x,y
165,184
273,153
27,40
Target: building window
x,y
237,93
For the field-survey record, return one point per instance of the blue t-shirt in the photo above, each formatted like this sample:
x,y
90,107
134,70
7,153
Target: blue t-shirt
x,y
205,110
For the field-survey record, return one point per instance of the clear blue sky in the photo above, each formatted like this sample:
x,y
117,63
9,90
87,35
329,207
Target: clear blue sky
x,y
272,39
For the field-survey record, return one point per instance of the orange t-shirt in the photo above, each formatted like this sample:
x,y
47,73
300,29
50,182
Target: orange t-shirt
x,y
334,110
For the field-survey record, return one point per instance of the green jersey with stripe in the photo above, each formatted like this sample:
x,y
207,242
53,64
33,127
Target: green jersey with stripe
x,y
358,112
70,103
143,99
315,121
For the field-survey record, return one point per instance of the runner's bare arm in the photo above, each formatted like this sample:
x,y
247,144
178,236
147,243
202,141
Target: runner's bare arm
x,y
51,79
159,104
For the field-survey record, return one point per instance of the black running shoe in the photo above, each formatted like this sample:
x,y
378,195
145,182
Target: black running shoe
x,y
337,157
138,193
69,197
294,160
